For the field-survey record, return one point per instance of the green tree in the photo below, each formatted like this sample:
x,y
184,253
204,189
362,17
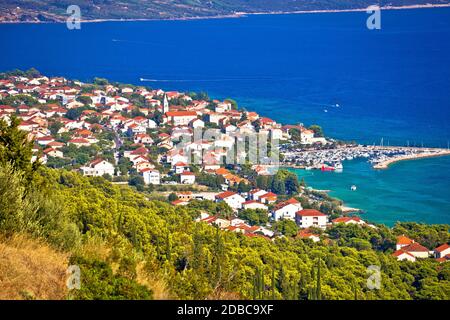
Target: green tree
x,y
243,187
101,81
286,227
172,197
318,131
291,184
16,149
84,100
254,216
75,113
233,103
98,282
54,127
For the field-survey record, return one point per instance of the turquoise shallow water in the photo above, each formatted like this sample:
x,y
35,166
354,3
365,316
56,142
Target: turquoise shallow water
x,y
390,195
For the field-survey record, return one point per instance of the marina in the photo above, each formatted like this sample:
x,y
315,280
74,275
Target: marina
x,y
380,157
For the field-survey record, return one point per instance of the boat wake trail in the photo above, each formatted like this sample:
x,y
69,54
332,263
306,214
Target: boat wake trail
x,y
191,80
217,79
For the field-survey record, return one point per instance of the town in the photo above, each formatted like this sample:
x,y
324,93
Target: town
x,y
147,138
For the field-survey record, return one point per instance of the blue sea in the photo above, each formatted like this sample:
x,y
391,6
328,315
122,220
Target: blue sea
x,y
392,83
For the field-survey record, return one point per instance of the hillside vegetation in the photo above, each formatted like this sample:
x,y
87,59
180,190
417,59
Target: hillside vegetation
x,y
130,248
47,10
31,269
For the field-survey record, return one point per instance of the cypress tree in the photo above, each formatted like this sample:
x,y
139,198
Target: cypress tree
x,y
119,222
168,253
218,254
312,292
261,284
273,284
318,287
158,249
133,235
255,285
280,279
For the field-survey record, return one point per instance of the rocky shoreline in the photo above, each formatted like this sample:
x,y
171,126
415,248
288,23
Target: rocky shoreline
x,y
62,19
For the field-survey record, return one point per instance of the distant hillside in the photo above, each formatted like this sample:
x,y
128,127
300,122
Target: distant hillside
x,y
51,10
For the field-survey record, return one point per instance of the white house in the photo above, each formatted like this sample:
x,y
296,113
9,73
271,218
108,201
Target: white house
x,y
236,222
187,177
151,124
197,123
233,199
97,168
276,134
151,176
52,152
126,90
222,107
203,215
256,193
266,232
349,220
175,156
307,234
442,251
311,218
286,209
180,118
253,204
307,136
180,167
403,255
225,141
417,250
43,141
221,223
229,128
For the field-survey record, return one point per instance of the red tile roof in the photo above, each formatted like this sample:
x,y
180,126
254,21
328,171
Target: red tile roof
x,y
181,113
310,213
225,194
442,247
79,140
306,233
415,247
404,240
268,195
292,200
400,252
95,162
346,219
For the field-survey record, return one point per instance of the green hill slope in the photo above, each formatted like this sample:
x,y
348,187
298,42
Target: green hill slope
x,y
128,247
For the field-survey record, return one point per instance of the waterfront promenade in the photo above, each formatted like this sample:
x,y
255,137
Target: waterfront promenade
x,y
379,156
427,153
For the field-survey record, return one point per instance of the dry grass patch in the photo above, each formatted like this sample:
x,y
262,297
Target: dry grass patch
x,y
30,269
